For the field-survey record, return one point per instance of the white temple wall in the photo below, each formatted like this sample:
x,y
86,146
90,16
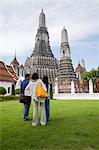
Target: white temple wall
x,y
7,86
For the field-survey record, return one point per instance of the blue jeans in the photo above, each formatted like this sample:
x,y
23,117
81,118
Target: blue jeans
x,y
26,110
47,109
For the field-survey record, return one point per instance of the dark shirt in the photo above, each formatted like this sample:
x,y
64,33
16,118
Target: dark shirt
x,y
24,83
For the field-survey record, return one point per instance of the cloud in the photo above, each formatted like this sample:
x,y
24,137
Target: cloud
x,y
19,23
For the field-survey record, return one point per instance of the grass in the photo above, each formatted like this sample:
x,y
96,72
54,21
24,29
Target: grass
x,y
74,125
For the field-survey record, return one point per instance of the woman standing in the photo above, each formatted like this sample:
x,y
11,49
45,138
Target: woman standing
x,y
31,91
47,102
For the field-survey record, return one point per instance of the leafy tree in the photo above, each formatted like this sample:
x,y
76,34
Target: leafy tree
x,y
94,76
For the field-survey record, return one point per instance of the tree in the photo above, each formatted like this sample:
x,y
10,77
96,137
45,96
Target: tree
x,y
94,76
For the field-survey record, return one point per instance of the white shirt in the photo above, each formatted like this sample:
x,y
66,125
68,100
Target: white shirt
x,y
30,89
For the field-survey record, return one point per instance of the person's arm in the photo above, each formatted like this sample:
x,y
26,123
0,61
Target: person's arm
x,y
21,90
49,90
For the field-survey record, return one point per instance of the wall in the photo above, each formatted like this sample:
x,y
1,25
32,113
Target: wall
x,y
7,86
76,96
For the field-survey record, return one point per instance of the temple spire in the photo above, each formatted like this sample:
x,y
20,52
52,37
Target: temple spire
x,y
42,20
42,57
65,49
14,61
66,74
64,35
83,64
42,10
78,60
15,53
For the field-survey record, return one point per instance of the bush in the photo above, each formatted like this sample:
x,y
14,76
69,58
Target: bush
x,y
17,91
9,97
2,91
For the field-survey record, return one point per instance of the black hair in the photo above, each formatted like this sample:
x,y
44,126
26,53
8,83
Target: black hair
x,y
35,76
45,81
27,75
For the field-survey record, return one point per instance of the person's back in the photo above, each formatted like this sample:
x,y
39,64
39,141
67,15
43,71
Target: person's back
x,y
24,83
30,90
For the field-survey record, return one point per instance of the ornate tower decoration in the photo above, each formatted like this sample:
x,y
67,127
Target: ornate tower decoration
x,y
80,69
65,49
19,69
15,64
42,59
66,72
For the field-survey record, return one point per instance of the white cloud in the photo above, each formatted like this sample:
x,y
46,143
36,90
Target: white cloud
x,y
19,22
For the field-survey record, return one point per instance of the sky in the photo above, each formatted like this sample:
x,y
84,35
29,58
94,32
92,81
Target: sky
x,y
19,20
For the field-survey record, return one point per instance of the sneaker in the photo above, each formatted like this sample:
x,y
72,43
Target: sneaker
x,y
26,119
43,124
34,124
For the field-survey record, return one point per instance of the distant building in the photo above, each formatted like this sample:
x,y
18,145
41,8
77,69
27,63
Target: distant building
x,y
19,69
42,59
80,69
15,65
8,77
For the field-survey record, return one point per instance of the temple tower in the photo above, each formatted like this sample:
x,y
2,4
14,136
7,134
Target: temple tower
x,y
19,69
15,65
80,69
66,72
42,59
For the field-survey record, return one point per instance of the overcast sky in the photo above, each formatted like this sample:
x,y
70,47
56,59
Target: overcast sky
x,y
19,20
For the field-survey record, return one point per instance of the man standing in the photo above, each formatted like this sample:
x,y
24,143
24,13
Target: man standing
x,y
27,102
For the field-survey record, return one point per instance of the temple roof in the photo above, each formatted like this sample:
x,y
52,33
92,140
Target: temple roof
x,y
5,75
79,68
15,62
11,70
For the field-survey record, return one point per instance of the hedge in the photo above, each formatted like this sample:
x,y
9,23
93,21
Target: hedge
x,y
3,90
10,97
17,91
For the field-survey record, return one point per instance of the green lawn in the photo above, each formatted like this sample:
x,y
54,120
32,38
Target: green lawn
x,y
74,125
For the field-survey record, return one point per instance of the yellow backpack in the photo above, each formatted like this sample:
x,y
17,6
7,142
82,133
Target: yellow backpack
x,y
40,92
